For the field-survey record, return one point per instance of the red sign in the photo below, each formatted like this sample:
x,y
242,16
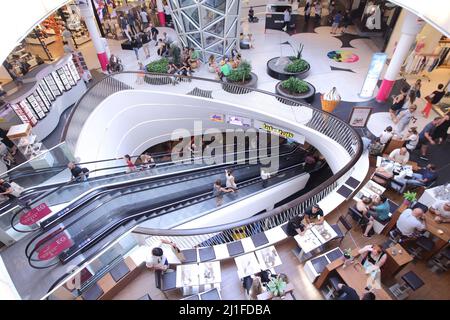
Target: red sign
x,y
35,214
61,243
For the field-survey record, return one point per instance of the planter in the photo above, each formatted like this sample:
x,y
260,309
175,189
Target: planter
x,y
157,79
275,69
239,90
302,97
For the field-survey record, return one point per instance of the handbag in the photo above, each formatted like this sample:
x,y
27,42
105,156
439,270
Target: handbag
x,y
17,190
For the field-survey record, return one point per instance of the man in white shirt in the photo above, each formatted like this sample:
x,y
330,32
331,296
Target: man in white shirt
x,y
441,209
400,155
144,18
265,175
410,222
386,135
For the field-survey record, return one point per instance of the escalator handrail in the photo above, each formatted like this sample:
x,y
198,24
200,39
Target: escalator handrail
x,y
112,227
152,177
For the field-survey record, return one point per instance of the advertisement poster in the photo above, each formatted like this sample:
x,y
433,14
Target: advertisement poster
x,y
239,121
359,116
217,118
375,68
35,214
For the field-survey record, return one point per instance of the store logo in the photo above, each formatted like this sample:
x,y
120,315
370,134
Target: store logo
x,y
278,131
217,118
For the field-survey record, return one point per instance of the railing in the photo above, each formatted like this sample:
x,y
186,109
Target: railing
x,y
320,121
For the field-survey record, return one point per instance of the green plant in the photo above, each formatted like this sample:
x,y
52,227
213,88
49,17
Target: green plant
x,y
296,65
277,286
158,66
242,73
410,196
295,85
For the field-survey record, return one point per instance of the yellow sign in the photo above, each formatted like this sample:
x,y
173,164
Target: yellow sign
x,y
281,132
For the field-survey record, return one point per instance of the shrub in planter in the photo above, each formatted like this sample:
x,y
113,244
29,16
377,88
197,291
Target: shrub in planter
x,y
158,66
242,73
295,86
296,65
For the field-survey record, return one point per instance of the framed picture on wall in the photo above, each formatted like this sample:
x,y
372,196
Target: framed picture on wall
x,y
359,116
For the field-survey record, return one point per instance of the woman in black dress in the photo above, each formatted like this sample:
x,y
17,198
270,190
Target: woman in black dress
x,y
398,102
440,133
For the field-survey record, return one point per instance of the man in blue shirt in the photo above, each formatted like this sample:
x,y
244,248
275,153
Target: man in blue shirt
x,y
426,137
336,21
286,19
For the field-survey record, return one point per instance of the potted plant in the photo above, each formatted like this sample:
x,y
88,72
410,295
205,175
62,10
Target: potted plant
x,y
409,197
157,66
243,76
276,286
295,89
282,68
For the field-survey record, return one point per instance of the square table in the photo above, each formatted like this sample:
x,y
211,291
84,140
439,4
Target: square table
x,y
315,236
268,258
209,273
397,258
187,275
247,265
324,232
370,189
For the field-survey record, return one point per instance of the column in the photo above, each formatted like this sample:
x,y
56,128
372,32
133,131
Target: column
x,y
410,28
161,15
87,13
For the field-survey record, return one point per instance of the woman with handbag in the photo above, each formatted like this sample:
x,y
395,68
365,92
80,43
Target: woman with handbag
x,y
433,98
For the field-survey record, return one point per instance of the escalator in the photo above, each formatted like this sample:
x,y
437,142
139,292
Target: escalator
x,y
90,222
62,193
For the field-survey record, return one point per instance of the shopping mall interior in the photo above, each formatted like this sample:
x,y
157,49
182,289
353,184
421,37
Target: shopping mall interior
x,y
225,150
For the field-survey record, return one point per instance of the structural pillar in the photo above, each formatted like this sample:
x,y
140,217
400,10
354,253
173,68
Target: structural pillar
x,y
87,13
412,25
161,15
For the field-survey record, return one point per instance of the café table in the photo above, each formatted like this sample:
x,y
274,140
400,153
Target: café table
x,y
209,273
370,190
314,236
247,265
268,258
440,230
397,259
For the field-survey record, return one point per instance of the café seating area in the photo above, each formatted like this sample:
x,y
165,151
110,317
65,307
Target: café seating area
x,y
314,262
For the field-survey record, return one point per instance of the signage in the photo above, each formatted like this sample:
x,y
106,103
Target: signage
x,y
217,118
375,68
359,116
35,214
60,243
239,121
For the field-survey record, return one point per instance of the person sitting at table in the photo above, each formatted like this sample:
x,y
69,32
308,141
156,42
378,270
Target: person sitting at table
x,y
372,259
410,223
386,135
384,173
423,177
400,155
380,211
363,204
376,147
157,261
346,293
295,225
441,209
314,215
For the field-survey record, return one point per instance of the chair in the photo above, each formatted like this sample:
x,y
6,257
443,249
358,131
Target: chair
x,y
423,244
441,261
411,282
341,235
332,287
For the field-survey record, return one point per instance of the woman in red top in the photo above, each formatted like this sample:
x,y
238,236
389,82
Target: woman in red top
x,y
131,166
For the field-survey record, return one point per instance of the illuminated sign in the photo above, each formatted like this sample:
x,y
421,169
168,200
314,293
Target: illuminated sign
x,y
217,118
239,121
280,132
375,68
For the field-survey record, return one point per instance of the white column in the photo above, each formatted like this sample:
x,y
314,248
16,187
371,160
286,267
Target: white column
x,y
87,13
410,28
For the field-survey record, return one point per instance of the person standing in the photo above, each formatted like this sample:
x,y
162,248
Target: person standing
x,y
440,134
251,14
7,190
426,137
136,44
265,175
433,98
336,21
230,180
131,22
416,88
286,19
154,32
318,10
345,21
218,192
130,165
144,18
307,10
404,118
78,174
398,102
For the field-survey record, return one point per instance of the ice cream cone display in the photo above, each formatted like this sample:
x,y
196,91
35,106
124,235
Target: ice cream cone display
x,y
330,100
